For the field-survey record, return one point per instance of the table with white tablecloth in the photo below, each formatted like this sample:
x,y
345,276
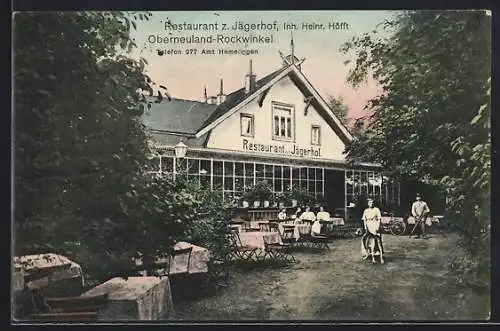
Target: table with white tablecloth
x,y
336,221
298,229
198,261
256,239
237,227
51,268
255,225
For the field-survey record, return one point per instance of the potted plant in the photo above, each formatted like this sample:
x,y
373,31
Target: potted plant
x,y
246,197
280,200
263,192
297,195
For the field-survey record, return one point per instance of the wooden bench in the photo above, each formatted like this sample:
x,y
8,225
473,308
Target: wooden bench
x,y
86,316
76,309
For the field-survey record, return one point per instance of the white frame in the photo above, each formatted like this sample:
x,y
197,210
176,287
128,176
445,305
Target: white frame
x,y
252,125
313,127
285,107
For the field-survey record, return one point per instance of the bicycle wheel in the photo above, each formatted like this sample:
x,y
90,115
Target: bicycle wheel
x,y
398,228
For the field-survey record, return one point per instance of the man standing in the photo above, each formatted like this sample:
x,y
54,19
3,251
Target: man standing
x,y
420,210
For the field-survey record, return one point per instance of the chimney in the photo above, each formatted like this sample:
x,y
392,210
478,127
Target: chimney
x,y
221,97
212,100
250,81
205,95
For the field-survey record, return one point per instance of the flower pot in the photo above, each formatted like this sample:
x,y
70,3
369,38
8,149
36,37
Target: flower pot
x,y
245,204
266,204
294,203
256,204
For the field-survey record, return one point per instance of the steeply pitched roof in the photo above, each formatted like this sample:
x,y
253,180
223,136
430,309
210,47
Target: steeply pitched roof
x,y
186,116
238,96
173,139
176,115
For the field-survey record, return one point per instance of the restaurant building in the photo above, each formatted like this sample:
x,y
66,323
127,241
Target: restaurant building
x,y
277,128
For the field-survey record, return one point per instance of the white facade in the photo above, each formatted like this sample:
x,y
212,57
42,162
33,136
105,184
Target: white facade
x,y
228,134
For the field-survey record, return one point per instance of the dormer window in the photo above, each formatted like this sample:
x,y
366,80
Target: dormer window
x,y
283,123
247,125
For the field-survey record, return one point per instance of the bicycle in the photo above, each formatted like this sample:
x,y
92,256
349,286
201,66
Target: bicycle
x,y
393,225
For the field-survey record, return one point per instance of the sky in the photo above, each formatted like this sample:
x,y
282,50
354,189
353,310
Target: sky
x,y
186,75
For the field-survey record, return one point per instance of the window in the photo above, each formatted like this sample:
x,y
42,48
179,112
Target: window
x,y
315,135
247,125
282,122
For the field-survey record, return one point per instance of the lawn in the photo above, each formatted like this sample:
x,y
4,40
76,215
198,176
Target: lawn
x,y
413,284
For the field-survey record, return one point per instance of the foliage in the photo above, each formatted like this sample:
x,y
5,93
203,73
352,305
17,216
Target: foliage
x,y
212,230
303,197
338,107
80,145
261,191
79,141
282,197
432,67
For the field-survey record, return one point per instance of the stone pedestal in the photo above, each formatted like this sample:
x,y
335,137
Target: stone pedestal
x,y
137,298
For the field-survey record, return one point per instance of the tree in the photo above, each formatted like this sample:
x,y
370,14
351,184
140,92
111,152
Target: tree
x,y
434,69
338,107
79,141
81,149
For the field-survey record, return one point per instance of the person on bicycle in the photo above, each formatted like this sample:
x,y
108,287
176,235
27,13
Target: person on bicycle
x,y
420,210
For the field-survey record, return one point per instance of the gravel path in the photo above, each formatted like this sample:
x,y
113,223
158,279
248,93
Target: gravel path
x,y
413,284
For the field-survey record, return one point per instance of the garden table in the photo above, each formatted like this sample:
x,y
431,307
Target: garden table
x,y
199,259
198,262
254,225
298,229
134,298
237,227
337,220
42,270
256,239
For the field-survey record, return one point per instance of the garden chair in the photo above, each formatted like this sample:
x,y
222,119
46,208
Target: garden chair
x,y
247,226
264,226
287,237
218,272
278,251
178,277
314,240
274,226
317,241
164,266
238,250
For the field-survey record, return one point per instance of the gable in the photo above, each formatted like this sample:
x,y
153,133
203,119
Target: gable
x,y
227,134
306,89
